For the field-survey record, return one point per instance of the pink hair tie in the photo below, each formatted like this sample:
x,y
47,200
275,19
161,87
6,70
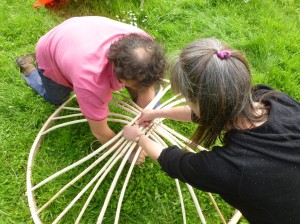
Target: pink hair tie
x,y
224,54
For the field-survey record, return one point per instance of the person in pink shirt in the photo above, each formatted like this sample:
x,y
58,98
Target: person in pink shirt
x,y
94,56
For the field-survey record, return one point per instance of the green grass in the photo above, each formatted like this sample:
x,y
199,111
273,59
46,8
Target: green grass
x,y
268,32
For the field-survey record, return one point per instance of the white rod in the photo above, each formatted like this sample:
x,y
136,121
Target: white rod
x,y
68,116
105,170
236,217
125,185
169,136
77,163
111,114
124,108
181,136
114,182
217,208
83,159
158,127
72,108
75,122
64,124
89,168
181,200
135,109
196,202
33,150
130,101
123,148
169,101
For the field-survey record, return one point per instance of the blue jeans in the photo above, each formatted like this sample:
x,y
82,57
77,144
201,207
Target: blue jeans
x,y
48,89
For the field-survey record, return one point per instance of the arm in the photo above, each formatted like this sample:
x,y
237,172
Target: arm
x,y
103,133
152,148
181,113
101,130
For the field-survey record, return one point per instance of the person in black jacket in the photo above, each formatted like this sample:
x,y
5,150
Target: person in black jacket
x,y
257,168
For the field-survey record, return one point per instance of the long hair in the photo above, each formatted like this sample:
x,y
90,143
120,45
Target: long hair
x,y
139,58
220,87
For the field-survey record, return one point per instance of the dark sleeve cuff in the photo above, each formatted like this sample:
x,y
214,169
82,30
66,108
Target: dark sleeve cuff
x,y
170,161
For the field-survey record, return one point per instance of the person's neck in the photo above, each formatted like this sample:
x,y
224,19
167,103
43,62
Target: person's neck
x,y
243,123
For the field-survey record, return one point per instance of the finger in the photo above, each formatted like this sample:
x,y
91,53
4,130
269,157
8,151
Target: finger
x,y
145,154
144,124
139,161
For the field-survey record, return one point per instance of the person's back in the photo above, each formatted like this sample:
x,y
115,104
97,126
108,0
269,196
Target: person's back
x,y
94,56
264,183
74,54
79,47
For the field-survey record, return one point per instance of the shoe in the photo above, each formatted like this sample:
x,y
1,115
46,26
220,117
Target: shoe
x,y
26,63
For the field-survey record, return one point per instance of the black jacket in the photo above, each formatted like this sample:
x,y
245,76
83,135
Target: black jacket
x,y
257,172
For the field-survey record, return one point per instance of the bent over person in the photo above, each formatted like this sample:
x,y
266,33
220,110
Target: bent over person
x,y
256,166
94,56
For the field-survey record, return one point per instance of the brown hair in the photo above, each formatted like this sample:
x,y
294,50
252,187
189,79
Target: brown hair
x,y
139,58
221,87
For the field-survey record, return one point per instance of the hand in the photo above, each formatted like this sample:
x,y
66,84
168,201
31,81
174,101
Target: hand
x,y
146,118
131,132
141,158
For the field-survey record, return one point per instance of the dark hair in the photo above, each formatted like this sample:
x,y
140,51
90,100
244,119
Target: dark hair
x,y
139,58
220,87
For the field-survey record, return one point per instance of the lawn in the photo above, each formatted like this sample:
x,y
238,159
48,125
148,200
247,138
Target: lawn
x,y
268,32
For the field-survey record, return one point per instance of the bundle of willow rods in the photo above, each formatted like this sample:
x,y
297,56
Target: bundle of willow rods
x,y
115,150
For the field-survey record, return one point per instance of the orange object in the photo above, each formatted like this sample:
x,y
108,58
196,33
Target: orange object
x,y
51,4
43,2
